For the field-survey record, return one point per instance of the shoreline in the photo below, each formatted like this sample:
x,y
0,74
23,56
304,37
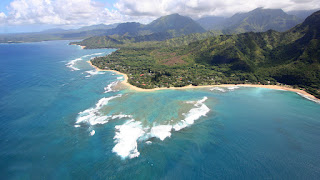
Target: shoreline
x,y
82,47
276,87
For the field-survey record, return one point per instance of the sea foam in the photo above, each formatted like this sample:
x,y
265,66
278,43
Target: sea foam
x,y
92,132
131,132
94,72
126,139
218,89
232,88
307,97
93,116
109,87
94,54
195,113
161,131
72,63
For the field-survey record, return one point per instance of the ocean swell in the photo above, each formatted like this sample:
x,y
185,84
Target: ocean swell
x,y
94,72
92,116
199,110
109,87
130,133
307,97
72,63
126,139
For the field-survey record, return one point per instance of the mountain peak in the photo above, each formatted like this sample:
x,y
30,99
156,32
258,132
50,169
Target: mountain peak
x,y
176,24
313,19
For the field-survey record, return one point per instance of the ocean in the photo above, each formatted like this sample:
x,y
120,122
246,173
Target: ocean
x,y
61,119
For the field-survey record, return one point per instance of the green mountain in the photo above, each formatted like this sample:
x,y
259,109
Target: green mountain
x,y
258,20
291,57
57,34
151,40
98,26
302,14
128,29
163,28
175,24
160,29
211,22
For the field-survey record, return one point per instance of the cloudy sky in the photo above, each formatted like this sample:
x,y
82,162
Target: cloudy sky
x,y
33,15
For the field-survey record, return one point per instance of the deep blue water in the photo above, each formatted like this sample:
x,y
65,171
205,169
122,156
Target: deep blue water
x,y
58,122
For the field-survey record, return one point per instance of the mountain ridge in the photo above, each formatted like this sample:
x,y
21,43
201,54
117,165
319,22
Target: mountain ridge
x,y
257,20
291,57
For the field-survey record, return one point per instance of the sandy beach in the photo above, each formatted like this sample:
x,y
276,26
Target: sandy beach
x,y
82,47
277,87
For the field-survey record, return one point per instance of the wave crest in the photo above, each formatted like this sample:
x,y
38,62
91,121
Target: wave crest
x,y
109,87
93,116
195,113
126,138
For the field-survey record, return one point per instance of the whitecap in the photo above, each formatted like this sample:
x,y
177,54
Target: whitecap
x,y
92,132
77,125
126,139
94,54
120,116
161,131
109,87
218,89
120,77
195,113
94,72
309,98
232,88
148,142
93,116
72,63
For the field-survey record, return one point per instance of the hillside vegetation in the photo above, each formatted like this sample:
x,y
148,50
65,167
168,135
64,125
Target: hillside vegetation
x,y
257,20
291,57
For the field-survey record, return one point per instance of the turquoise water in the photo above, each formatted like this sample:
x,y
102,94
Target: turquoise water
x,y
60,119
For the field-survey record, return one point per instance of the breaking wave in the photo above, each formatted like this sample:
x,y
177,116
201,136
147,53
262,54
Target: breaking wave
x,y
109,87
232,88
72,63
195,113
94,72
224,89
131,132
126,139
307,97
128,134
92,116
92,132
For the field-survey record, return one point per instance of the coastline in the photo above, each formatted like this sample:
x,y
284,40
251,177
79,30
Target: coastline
x,y
82,47
276,87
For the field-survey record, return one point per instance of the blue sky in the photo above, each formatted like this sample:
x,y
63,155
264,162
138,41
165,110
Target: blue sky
x,y
3,5
36,15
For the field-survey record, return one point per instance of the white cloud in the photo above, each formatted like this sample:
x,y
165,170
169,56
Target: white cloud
x,y
2,17
52,12
88,12
64,12
198,8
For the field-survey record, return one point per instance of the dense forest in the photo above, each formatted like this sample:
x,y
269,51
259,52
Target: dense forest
x,y
291,57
